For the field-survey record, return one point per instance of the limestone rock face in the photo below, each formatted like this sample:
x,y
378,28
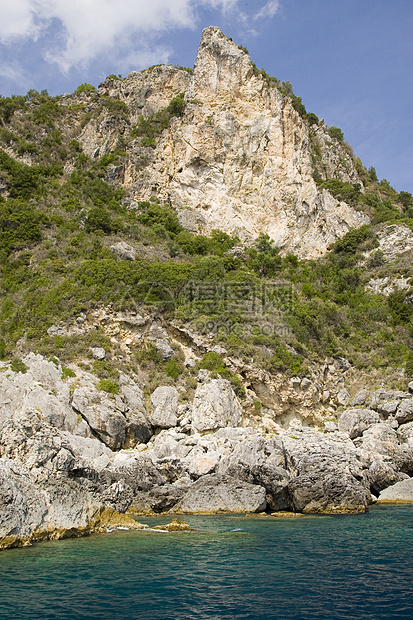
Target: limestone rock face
x,y
41,387
215,406
102,414
239,159
38,498
21,502
382,475
116,424
395,240
405,411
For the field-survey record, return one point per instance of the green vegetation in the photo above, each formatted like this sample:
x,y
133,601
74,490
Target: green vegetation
x,y
85,88
342,190
19,225
59,216
148,129
18,366
336,133
173,369
106,385
216,365
67,373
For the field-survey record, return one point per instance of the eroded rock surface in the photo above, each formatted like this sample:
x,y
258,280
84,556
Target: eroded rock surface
x,y
215,406
213,493
239,159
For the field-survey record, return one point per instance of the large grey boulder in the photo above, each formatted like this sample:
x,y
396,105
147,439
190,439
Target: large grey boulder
x,y
164,348
23,506
213,493
332,490
160,339
138,429
104,414
343,396
405,433
276,481
215,406
404,411
124,250
355,421
133,396
98,353
201,462
54,484
161,498
387,407
360,398
38,496
381,442
382,475
379,396
170,443
256,459
326,473
398,493
164,407
91,454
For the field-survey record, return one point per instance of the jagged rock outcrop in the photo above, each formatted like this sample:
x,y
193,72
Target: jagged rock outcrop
x,y
40,387
327,473
54,483
40,495
394,240
239,159
124,250
355,421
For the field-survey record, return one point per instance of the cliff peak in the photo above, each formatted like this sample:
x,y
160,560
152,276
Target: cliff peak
x,y
221,65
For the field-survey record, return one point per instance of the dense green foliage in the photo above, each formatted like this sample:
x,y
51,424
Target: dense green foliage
x,y
336,133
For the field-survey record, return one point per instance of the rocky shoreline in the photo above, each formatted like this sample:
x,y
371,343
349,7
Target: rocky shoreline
x,y
74,461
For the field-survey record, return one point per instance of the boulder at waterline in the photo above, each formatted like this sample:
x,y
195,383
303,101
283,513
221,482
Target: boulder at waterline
x,y
399,492
213,493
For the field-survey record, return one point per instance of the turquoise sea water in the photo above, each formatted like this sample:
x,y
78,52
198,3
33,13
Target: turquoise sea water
x,y
316,567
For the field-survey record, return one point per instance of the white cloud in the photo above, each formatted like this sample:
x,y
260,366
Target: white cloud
x,y
13,72
17,20
89,29
268,10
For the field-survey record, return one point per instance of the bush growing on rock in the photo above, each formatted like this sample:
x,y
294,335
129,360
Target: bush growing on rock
x,y
85,88
106,385
336,133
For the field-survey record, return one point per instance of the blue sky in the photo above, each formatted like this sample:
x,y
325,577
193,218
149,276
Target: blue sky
x,y
351,61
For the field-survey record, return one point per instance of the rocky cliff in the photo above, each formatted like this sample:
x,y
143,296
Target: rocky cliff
x,y
239,159
73,460
158,353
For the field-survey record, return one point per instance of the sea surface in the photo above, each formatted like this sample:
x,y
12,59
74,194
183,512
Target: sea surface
x,y
309,568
